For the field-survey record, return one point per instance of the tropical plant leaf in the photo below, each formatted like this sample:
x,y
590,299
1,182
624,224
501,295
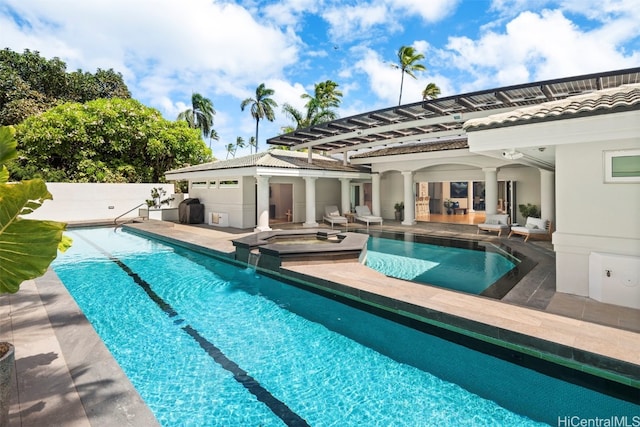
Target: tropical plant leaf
x,y
7,144
4,175
27,247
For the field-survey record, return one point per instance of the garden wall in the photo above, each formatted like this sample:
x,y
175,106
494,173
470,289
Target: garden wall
x,y
92,202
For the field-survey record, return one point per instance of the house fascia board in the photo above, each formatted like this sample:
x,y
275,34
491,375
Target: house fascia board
x,y
264,171
557,132
210,173
301,173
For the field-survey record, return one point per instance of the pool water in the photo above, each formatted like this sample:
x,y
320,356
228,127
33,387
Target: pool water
x,y
461,269
206,343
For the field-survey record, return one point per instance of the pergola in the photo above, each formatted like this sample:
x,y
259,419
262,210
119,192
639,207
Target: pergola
x,y
441,118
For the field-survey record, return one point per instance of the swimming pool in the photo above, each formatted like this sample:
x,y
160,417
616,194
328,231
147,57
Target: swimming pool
x,y
208,343
462,265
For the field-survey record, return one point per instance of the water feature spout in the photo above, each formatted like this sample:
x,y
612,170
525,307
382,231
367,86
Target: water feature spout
x,y
252,261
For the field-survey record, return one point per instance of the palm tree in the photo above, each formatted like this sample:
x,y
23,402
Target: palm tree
x,y
431,91
318,107
213,135
230,149
408,63
261,106
326,95
239,144
253,142
200,115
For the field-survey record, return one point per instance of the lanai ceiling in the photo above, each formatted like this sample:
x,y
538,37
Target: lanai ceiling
x,y
443,117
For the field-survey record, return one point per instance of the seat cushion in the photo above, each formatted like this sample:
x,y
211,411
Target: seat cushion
x,y
497,219
536,224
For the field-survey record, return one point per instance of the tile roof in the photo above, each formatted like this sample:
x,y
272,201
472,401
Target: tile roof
x,y
455,144
274,159
617,99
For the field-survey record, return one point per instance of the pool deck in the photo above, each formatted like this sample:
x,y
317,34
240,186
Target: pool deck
x,y
65,375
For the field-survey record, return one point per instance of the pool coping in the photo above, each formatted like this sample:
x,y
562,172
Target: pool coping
x,y
579,360
272,254
64,374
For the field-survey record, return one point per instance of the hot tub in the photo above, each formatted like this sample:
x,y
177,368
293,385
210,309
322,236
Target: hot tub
x,y
273,249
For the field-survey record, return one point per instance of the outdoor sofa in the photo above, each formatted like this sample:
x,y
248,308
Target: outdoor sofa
x,y
537,227
496,222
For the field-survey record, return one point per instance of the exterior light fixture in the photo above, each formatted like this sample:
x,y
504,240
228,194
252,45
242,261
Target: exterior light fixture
x,y
512,155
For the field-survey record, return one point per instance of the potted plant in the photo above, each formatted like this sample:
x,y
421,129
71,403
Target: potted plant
x,y
448,203
156,200
399,211
529,210
27,246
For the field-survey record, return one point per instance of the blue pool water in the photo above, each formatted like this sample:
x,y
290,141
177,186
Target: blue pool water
x,y
208,344
461,269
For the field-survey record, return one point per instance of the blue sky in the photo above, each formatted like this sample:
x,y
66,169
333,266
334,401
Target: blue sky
x,y
167,49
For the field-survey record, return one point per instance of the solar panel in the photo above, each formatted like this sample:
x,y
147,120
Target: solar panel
x,y
323,137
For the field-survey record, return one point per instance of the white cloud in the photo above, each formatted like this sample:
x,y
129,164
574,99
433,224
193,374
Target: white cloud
x,y
382,17
354,22
537,46
429,11
195,43
289,12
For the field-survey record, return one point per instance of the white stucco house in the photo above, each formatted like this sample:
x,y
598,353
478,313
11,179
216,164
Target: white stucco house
x,y
596,141
570,146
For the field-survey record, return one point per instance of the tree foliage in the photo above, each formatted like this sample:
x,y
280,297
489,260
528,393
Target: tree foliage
x,y
261,107
31,84
106,140
200,115
408,63
319,107
430,91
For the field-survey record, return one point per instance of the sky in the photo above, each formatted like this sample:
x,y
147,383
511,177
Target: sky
x,y
167,50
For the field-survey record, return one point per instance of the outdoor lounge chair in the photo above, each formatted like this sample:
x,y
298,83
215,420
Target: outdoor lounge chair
x,y
332,216
533,227
496,222
363,214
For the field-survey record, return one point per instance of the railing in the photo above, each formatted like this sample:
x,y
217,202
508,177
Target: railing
x,y
115,221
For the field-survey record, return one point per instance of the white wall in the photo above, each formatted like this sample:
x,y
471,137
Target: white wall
x,y
598,226
88,202
327,193
226,200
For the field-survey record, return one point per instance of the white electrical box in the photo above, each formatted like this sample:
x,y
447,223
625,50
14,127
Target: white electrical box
x,y
219,219
615,279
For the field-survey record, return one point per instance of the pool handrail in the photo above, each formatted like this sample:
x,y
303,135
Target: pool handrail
x,y
115,220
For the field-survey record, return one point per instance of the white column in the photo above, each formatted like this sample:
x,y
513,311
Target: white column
x,y
470,198
490,190
310,201
375,194
547,195
262,207
409,199
345,196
